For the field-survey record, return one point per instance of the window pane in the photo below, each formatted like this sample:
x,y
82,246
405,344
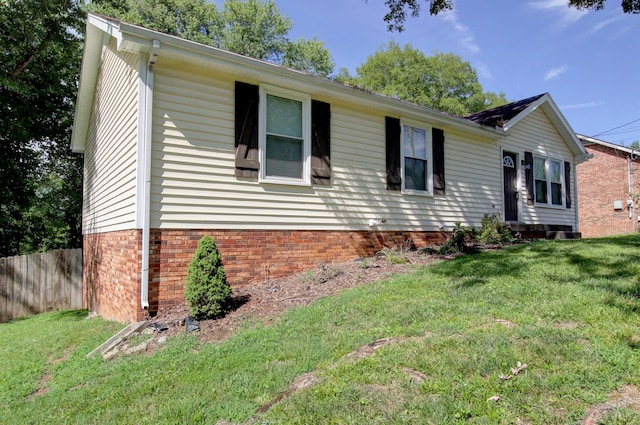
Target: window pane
x,y
284,157
539,171
415,142
541,191
284,116
555,172
415,174
556,193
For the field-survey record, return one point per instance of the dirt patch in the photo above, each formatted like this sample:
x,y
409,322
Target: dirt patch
x,y
299,384
628,397
266,301
43,383
369,349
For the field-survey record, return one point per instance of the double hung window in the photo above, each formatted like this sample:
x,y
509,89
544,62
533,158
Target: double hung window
x,y
285,136
549,181
417,167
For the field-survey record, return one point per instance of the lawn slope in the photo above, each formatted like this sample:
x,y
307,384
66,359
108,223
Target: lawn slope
x,y
534,333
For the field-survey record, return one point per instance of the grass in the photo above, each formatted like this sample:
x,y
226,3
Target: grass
x,y
568,310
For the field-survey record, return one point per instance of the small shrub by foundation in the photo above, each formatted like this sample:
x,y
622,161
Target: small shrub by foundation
x,y
494,230
207,291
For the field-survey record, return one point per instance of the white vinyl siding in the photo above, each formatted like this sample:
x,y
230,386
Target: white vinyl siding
x,y
193,182
537,134
110,154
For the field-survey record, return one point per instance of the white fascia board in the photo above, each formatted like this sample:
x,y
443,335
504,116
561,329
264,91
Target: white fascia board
x,y
565,129
558,120
515,120
593,140
98,29
135,39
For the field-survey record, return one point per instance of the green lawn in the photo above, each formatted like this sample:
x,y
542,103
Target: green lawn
x,y
568,310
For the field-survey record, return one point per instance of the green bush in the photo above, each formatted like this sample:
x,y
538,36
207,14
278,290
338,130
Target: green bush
x,y
207,290
494,230
460,237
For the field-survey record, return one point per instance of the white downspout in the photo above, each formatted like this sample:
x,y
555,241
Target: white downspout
x,y
146,204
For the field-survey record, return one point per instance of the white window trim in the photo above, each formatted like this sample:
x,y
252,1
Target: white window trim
x,y
547,169
305,99
429,157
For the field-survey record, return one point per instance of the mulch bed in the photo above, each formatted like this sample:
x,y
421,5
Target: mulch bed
x,y
266,301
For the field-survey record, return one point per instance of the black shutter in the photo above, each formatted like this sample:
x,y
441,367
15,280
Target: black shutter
x,y
392,137
438,161
320,143
528,176
246,127
567,184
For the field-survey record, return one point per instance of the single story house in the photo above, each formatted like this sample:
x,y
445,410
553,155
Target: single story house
x,y
609,194
283,169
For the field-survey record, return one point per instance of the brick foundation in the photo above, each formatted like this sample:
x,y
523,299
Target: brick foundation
x,y
602,180
113,261
253,256
111,275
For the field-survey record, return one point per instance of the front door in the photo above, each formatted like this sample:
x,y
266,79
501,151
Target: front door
x,y
510,179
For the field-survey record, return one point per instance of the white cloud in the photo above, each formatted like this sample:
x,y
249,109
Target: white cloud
x,y
560,8
555,72
601,25
581,105
464,33
483,70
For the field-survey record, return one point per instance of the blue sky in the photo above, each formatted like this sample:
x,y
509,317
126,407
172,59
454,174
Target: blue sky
x,y
588,61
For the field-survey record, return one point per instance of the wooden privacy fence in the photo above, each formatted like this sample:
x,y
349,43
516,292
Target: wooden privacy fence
x,y
32,284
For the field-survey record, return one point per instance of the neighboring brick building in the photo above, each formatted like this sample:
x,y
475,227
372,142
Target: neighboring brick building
x,y
608,189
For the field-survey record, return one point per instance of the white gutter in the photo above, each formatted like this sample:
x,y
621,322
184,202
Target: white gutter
x,y
146,130
135,38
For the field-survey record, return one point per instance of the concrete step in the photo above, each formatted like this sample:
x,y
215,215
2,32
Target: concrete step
x,y
563,235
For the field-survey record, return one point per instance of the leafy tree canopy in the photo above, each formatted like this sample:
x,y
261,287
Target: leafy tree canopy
x,y
399,9
443,81
41,54
252,28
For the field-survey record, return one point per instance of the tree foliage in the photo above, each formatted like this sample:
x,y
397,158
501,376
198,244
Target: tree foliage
x,y
628,6
399,9
38,74
41,43
309,56
252,28
207,290
443,81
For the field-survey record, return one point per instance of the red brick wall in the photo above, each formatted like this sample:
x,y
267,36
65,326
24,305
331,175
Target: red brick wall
x,y
602,180
111,275
112,261
252,256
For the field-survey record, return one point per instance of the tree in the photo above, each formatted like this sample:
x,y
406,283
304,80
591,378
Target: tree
x,y
207,290
54,217
398,9
442,81
41,46
309,56
252,28
635,145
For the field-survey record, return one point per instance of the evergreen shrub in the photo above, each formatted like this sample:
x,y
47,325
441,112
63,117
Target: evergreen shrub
x,y
207,291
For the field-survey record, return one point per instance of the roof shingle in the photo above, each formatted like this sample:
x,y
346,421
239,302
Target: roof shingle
x,y
498,117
